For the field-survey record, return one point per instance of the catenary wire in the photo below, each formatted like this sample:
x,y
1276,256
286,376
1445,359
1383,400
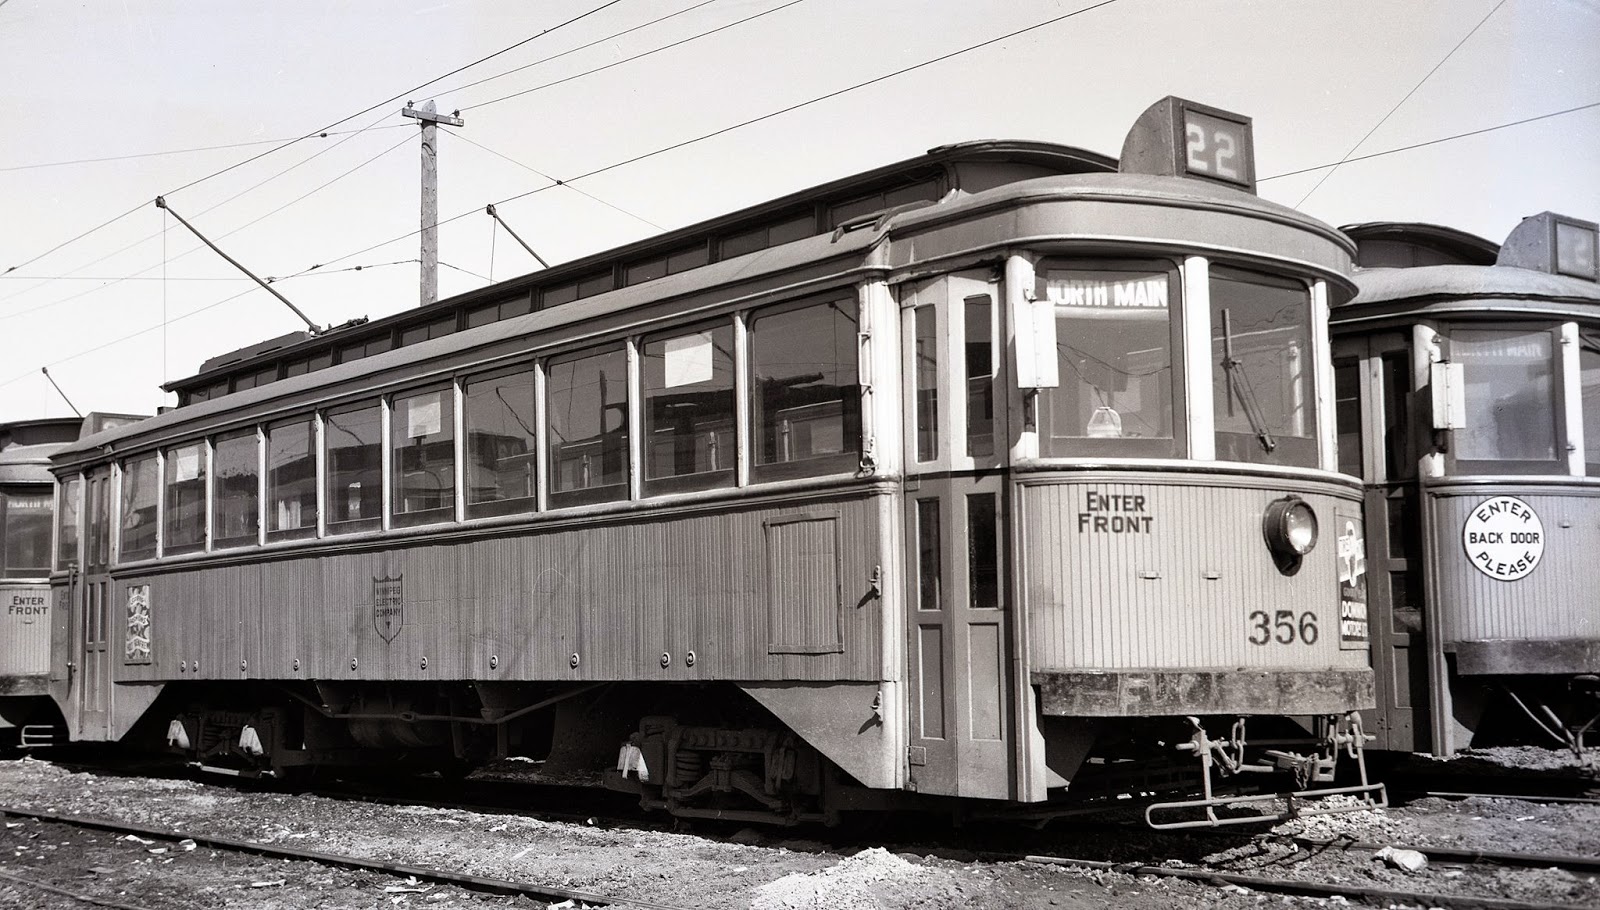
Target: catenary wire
x,y
1398,104
1450,138
535,170
729,129
194,149
276,148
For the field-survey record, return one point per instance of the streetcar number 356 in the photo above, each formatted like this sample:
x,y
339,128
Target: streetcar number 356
x,y
1282,627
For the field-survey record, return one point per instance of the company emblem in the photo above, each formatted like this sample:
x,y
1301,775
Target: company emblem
x,y
1504,538
388,606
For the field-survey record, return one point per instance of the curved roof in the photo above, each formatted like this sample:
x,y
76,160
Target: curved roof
x,y
1470,249
1496,282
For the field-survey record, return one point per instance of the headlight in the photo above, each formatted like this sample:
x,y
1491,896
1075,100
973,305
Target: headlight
x,y
1290,527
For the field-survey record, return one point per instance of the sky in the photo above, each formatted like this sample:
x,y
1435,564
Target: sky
x,y
108,104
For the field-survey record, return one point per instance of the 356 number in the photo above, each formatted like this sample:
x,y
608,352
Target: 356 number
x,y
1283,627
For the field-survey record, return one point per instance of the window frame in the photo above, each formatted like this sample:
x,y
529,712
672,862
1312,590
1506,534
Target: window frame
x,y
1558,463
1175,447
268,502
444,513
498,508
847,461
325,520
619,491
1288,451
721,478
219,542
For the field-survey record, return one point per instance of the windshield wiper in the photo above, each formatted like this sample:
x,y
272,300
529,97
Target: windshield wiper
x,y
1239,387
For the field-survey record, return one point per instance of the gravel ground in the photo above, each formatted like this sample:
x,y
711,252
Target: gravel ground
x,y
767,870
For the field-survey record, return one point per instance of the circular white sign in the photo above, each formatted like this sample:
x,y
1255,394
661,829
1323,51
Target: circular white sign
x,y
1504,538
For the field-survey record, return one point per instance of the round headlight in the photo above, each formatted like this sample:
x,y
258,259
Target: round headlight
x,y
1291,527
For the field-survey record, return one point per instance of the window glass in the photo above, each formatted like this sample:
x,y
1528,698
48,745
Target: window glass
x,y
97,520
1510,398
71,495
422,440
236,502
597,284
1347,412
983,552
692,258
1114,328
926,370
929,572
806,401
980,376
25,515
588,416
291,480
565,293
1397,458
502,470
1262,369
139,491
1589,366
186,500
354,441
690,440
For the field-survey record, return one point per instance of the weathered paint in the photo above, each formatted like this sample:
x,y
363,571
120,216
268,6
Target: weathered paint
x,y
24,633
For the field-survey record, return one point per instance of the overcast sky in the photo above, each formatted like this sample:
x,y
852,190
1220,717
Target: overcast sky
x,y
151,84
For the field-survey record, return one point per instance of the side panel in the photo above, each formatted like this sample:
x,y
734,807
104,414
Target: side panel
x,y
25,621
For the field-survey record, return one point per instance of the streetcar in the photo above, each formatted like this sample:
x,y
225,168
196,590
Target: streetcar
x,y
1468,378
995,480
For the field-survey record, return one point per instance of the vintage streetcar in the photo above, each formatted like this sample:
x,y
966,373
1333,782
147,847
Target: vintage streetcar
x,y
1469,400
988,480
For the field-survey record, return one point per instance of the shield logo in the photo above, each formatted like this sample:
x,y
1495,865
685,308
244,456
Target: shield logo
x,y
388,606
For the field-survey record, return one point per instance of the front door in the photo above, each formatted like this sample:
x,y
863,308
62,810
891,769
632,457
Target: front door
x,y
959,650
93,613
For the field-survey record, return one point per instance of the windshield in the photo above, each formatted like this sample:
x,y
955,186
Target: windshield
x,y
1262,369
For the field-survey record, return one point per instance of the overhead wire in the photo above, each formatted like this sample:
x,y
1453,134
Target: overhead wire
x,y
187,151
1450,138
343,120
1400,103
527,167
728,129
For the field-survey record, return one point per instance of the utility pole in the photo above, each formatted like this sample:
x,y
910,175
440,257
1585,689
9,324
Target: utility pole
x,y
428,118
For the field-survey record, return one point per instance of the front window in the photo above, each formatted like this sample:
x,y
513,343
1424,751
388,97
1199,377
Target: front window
x,y
186,500
140,487
1114,348
1263,371
235,517
422,439
502,445
690,441
354,443
806,400
1511,405
588,416
25,525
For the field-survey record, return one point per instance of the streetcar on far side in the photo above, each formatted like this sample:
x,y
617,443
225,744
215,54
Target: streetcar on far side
x,y
1468,377
28,717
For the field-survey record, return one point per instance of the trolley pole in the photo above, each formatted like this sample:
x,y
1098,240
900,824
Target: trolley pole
x,y
428,118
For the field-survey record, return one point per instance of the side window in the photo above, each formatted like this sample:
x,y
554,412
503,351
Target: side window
x,y
502,445
353,440
1347,413
291,479
588,416
235,518
422,442
806,398
690,436
1262,369
978,314
185,486
25,526
70,494
926,367
1510,397
1589,366
1114,346
139,491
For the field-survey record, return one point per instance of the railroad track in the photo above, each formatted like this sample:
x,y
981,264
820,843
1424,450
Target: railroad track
x,y
1380,896
400,871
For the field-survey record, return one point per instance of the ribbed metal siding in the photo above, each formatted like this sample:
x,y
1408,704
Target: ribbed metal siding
x,y
1558,599
24,630
1147,600
619,595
